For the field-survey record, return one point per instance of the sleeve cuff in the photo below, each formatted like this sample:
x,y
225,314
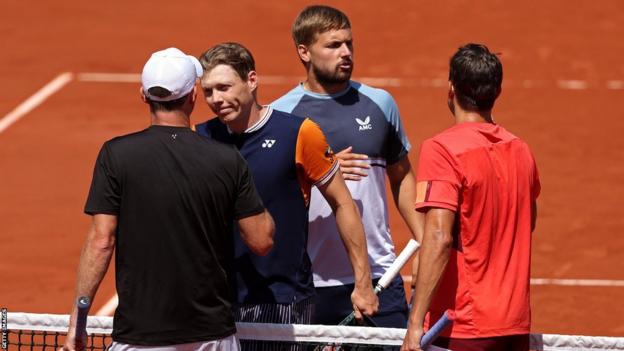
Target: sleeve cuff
x,y
330,173
250,213
92,212
421,206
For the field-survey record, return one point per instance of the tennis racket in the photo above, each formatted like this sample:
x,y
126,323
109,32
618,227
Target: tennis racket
x,y
83,303
435,330
390,274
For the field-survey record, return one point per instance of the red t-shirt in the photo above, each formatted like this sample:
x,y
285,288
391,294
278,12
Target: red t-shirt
x,y
488,177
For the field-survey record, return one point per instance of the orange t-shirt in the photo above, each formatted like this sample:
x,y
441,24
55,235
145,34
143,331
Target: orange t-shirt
x,y
488,177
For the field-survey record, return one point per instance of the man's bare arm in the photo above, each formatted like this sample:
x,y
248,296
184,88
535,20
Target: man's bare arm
x,y
257,232
434,255
403,185
352,234
94,260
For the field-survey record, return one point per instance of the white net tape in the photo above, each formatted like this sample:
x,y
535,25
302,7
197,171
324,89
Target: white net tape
x,y
315,333
555,342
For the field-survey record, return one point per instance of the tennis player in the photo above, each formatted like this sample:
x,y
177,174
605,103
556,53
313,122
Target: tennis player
x,y
287,155
168,211
364,123
477,185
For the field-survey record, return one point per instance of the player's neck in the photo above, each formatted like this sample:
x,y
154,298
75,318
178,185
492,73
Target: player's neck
x,y
313,85
255,114
171,119
462,116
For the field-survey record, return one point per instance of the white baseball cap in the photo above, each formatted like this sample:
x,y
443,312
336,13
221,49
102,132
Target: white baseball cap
x,y
173,70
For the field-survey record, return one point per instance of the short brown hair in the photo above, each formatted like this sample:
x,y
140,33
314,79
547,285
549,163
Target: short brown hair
x,y
317,19
165,106
232,54
477,75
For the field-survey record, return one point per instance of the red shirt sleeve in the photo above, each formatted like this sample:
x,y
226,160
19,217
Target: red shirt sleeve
x,y
536,186
438,177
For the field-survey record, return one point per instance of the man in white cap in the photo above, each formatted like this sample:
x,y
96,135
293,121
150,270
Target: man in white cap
x,y
168,211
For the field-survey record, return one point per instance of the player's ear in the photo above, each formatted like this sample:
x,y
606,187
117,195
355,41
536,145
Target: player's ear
x,y
193,94
252,80
143,97
451,90
304,53
450,99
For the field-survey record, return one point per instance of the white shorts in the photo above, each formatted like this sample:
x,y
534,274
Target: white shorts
x,y
225,344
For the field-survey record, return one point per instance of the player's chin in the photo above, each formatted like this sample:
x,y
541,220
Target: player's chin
x,y
343,75
226,118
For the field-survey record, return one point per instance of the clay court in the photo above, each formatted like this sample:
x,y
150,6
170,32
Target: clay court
x,y
563,93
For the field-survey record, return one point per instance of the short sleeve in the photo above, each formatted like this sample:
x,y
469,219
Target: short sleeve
x,y
314,157
248,202
438,179
398,144
105,192
536,186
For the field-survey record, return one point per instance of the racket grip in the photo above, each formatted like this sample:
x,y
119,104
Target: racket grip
x,y
400,261
83,303
436,329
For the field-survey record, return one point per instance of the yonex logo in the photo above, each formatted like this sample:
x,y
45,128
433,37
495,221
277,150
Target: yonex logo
x,y
268,143
365,124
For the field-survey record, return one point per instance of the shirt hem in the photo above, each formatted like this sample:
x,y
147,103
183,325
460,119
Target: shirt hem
x,y
174,340
490,333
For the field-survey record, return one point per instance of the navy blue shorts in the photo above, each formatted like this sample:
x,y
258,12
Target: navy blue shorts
x,y
332,304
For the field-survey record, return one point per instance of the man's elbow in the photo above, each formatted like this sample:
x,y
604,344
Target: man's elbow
x,y
101,240
264,248
103,245
101,236
265,237
441,240
266,244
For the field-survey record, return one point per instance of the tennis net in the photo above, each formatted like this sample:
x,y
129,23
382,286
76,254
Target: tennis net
x,y
27,331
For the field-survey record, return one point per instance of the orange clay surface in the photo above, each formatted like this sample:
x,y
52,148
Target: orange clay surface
x,y
47,157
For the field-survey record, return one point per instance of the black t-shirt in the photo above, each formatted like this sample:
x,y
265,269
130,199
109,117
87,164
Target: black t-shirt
x,y
175,194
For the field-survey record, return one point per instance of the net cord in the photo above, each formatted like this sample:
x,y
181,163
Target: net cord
x,y
314,333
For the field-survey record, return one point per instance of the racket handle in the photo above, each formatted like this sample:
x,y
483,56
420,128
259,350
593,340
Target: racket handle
x,y
437,328
401,260
83,303
390,274
348,319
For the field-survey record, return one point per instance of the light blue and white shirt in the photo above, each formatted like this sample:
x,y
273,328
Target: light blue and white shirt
x,y
367,119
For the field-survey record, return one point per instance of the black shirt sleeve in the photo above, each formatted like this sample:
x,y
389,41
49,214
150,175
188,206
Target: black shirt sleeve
x,y
248,202
105,192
